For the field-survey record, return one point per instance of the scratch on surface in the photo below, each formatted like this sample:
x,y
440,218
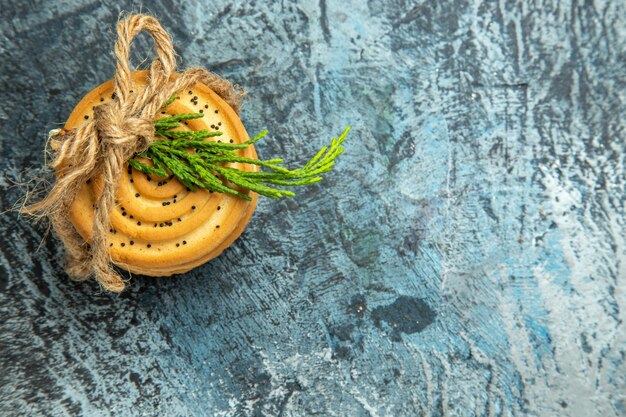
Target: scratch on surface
x,y
366,406
444,386
317,94
448,195
327,335
429,382
324,21
484,360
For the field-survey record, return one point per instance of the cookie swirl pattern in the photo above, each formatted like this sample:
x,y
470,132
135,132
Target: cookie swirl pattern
x,y
158,226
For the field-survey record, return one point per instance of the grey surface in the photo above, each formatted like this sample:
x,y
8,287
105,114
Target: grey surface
x,y
466,258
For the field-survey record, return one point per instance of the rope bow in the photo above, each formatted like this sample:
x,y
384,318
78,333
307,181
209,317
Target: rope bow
x,y
104,144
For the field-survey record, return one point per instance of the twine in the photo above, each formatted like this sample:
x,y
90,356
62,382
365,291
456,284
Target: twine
x,y
104,144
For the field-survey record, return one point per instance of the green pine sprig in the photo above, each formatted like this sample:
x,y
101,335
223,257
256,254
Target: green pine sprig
x,y
198,163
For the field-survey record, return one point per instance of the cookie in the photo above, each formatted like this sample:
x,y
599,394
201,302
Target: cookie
x,y
159,227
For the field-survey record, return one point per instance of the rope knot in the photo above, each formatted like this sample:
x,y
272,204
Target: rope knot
x,y
116,130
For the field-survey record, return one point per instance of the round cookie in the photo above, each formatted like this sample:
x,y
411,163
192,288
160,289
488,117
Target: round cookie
x,y
159,227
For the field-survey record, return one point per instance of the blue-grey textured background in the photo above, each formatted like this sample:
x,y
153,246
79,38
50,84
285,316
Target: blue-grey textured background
x,y
467,257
